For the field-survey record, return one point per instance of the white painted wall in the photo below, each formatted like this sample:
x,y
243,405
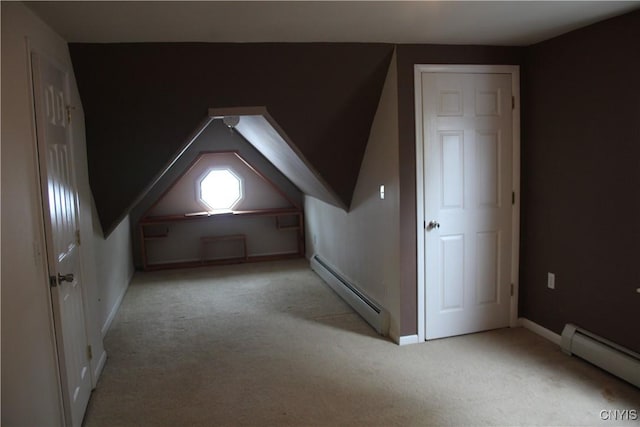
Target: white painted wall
x,y
114,269
30,383
364,244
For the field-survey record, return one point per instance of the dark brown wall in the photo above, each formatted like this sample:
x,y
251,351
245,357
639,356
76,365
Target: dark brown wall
x,y
142,101
408,56
581,181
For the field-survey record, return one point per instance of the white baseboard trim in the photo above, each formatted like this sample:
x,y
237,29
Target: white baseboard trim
x,y
408,339
540,330
100,366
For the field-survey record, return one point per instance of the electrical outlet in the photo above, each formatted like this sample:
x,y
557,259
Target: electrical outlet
x,y
551,281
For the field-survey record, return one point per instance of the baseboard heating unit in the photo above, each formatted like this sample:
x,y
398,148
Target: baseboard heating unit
x,y
603,353
370,311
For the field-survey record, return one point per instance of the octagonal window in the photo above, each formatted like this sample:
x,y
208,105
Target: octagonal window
x,y
220,189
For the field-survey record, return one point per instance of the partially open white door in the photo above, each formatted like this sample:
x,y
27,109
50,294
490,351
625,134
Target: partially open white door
x,y
467,137
60,202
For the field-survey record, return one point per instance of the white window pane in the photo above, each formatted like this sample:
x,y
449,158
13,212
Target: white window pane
x,y
220,189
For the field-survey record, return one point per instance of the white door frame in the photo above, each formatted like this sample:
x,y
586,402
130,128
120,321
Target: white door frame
x,y
40,169
42,247
514,71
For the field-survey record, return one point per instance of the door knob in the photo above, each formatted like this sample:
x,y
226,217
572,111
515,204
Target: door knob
x,y
65,277
432,225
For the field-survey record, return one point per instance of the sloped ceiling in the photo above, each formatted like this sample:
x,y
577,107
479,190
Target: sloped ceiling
x,y
271,141
143,101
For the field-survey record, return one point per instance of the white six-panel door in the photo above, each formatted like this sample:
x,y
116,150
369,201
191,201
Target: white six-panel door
x,y
60,202
467,137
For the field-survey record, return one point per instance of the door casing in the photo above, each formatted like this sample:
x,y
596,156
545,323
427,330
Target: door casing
x,y
48,261
514,71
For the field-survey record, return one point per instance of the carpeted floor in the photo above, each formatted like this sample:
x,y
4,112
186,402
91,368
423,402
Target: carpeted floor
x,y
270,345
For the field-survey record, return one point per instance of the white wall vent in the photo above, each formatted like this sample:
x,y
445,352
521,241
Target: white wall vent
x,y
370,311
603,353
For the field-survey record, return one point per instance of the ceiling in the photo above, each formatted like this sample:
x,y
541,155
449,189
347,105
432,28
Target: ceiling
x,y
508,23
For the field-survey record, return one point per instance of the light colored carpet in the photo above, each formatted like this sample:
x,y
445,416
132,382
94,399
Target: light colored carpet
x,y
269,344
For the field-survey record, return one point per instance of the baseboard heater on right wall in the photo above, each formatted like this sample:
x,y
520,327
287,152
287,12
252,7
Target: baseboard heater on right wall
x,y
603,353
368,309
